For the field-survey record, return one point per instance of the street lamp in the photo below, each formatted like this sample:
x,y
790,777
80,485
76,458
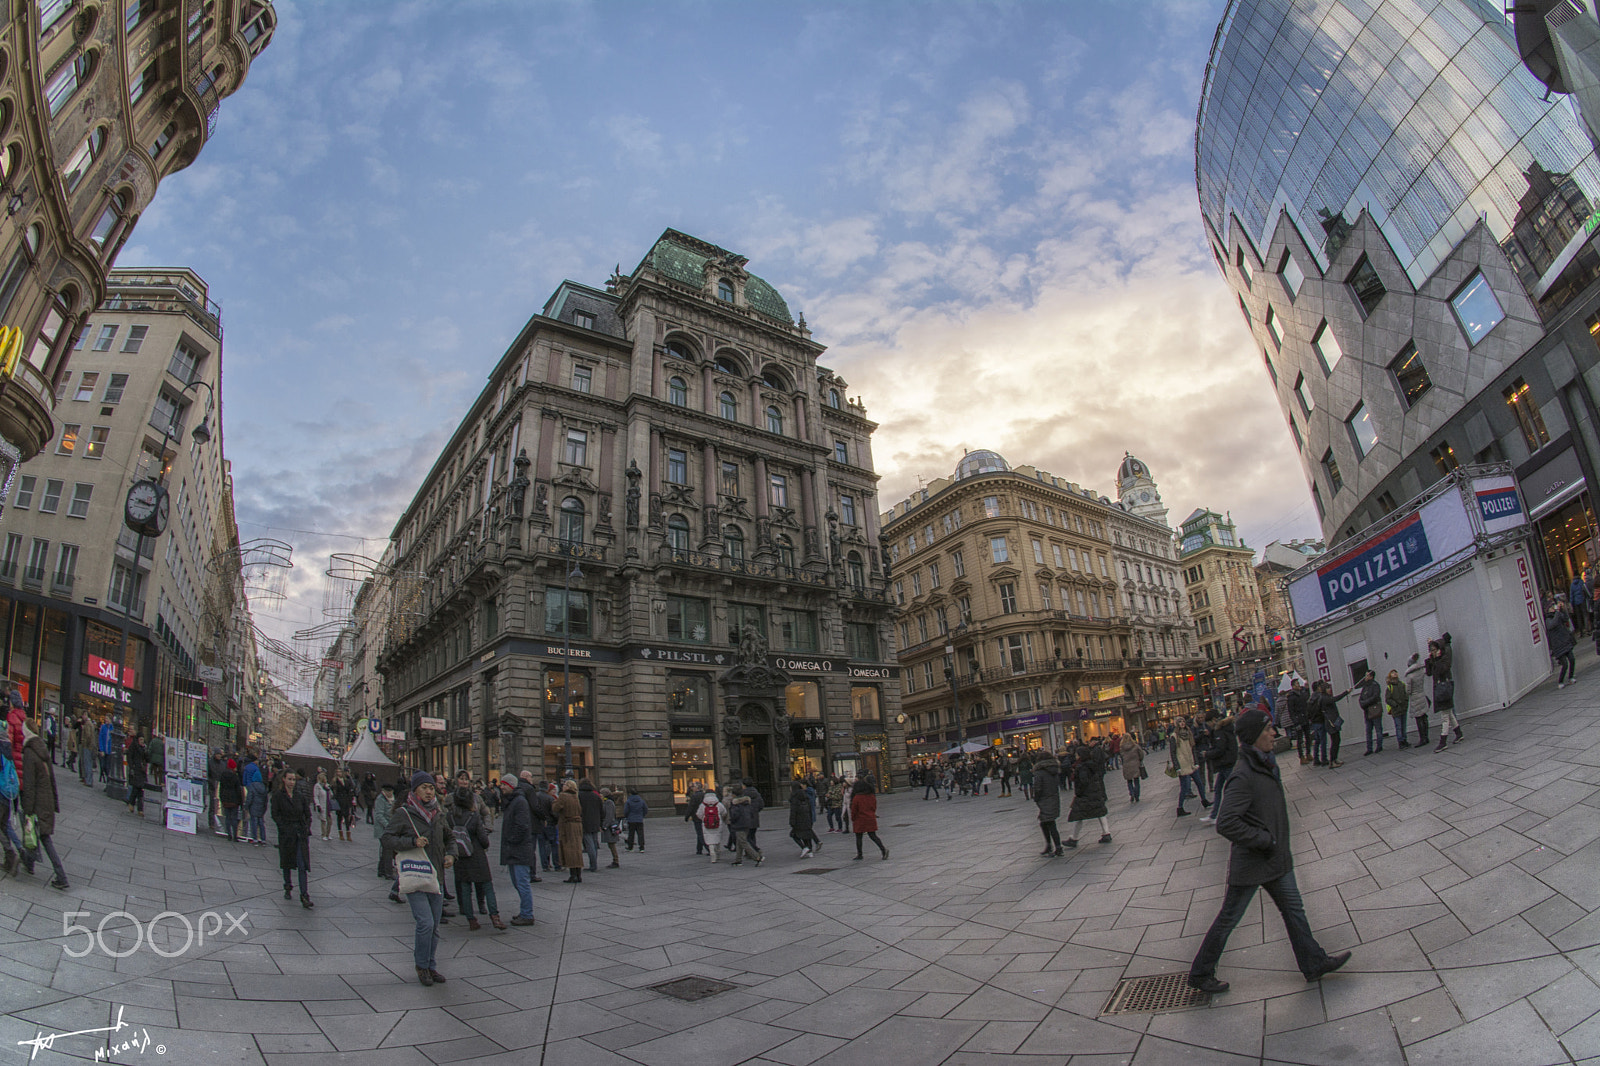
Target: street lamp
x,y
566,660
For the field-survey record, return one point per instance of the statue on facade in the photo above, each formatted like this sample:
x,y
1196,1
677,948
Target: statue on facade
x,y
634,474
752,645
519,485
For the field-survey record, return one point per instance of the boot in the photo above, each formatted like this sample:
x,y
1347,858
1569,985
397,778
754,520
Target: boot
x,y
1422,730
1441,743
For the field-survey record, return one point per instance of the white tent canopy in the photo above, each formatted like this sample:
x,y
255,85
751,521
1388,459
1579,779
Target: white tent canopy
x,y
1287,680
367,752
308,747
969,747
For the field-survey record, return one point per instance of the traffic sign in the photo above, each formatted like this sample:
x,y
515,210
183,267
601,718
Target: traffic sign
x,y
375,726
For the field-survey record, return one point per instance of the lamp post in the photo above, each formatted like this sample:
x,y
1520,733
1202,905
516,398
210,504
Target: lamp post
x,y
566,658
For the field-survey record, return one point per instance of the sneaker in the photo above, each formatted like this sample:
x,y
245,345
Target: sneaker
x,y
1336,764
1105,838
1072,843
805,853
1207,820
760,859
520,920
738,862
394,897
1182,813
59,883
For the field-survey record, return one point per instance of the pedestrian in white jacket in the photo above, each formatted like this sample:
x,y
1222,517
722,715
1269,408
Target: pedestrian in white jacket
x,y
713,815
1417,695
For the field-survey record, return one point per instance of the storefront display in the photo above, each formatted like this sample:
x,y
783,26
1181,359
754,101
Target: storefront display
x,y
692,760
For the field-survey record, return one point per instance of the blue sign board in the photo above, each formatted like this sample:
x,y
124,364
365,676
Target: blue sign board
x,y
1391,556
1499,503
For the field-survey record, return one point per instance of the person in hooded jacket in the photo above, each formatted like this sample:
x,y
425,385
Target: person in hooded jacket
x,y
420,822
741,823
634,810
1296,700
802,821
1046,786
570,817
1132,766
864,813
519,852
1089,791
230,791
472,863
1395,695
1417,697
712,814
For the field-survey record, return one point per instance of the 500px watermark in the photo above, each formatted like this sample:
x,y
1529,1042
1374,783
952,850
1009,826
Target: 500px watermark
x,y
160,933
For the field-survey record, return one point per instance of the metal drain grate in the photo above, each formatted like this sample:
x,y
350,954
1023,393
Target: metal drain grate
x,y
1155,995
817,870
692,988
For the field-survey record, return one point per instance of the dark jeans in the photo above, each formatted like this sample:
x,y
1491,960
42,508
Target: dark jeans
x,y
1422,729
1399,721
1375,729
1052,837
1569,669
636,834
1133,788
836,819
1319,744
1308,954
549,841
303,864
487,904
591,848
1334,736
1303,740
931,786
700,846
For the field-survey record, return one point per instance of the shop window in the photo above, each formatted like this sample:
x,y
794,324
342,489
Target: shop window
x,y
563,691
566,612
1366,286
692,763
1410,374
689,695
1519,398
864,703
687,619
797,630
802,699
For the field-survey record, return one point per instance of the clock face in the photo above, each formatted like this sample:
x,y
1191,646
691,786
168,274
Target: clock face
x,y
1144,496
147,508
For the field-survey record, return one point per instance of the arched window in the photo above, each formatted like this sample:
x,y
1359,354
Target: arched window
x,y
108,219
571,530
677,392
733,543
730,406
730,366
774,420
72,174
34,238
678,533
855,571
833,397
774,380
67,80
785,551
677,349
725,290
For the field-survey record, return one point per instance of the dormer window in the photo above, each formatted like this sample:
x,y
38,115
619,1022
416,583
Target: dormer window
x,y
583,319
833,398
725,290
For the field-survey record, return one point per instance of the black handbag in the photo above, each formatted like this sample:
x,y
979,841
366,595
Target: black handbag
x,y
1444,690
1144,774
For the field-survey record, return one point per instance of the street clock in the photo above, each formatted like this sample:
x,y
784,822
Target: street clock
x,y
147,508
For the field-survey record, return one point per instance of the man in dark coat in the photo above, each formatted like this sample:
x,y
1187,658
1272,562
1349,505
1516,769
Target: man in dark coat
x,y
518,853
1089,790
594,820
1047,794
1297,700
1221,756
1254,815
801,821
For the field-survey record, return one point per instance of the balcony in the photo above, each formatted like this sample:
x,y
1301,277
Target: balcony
x,y
61,584
25,407
725,564
572,549
8,571
206,315
33,575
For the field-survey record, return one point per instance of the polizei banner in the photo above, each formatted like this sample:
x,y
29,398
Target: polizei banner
x,y
1397,553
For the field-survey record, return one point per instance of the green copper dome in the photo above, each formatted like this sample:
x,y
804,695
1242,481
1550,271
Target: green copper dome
x,y
683,259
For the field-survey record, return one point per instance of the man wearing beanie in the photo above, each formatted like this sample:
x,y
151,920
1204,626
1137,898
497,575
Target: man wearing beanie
x,y
1254,815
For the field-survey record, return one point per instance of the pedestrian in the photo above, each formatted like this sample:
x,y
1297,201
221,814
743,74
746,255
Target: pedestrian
x,y
594,819
1440,667
291,812
1296,700
518,844
1560,628
712,815
322,804
834,801
1254,816
40,801
10,805
1417,697
1398,699
344,798
1326,719
86,735
634,810
1369,697
864,814
540,798
741,821
930,783
369,796
1089,791
1007,768
1025,779
380,821
255,801
1222,752
230,791
1578,598
138,760
419,822
801,821
50,731
472,860
15,716
691,807
610,829
1183,761
569,813
757,803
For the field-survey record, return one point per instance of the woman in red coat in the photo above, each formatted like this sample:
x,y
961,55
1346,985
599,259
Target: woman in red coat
x,y
864,815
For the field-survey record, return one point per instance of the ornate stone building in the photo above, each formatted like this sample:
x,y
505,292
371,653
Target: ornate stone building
x,y
1220,580
657,526
99,101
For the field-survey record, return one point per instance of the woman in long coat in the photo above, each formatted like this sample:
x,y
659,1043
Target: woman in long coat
x,y
864,814
40,799
802,821
1046,774
138,760
1132,766
291,812
1089,792
569,829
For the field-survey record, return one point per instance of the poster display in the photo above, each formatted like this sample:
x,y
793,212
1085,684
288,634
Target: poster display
x,y
182,821
185,784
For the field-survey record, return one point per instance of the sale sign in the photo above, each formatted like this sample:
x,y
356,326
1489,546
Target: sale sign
x,y
106,670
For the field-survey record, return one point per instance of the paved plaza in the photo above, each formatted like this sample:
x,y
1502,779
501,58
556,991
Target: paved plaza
x,y
1465,882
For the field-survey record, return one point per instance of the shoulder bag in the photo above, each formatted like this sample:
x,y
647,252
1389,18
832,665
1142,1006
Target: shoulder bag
x,y
415,869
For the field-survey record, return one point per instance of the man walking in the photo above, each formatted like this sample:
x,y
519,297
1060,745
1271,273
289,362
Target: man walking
x,y
1254,815
518,850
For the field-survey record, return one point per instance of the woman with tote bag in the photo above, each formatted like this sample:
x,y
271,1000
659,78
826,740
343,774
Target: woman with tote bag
x,y
424,848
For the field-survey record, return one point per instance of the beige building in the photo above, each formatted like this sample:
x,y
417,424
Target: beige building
x,y
1023,584
171,610
656,525
1224,597
1278,560
99,101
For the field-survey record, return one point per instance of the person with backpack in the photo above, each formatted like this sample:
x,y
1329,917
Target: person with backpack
x,y
691,808
713,816
472,860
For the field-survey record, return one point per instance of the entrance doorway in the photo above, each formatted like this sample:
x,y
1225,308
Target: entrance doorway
x,y
755,763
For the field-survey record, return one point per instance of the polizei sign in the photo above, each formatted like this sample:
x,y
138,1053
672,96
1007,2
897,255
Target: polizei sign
x,y
1396,553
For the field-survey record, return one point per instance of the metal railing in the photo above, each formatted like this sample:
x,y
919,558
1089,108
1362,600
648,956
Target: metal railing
x,y
727,564
572,549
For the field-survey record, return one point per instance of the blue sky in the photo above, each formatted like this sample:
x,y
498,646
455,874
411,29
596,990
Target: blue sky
x,y
986,210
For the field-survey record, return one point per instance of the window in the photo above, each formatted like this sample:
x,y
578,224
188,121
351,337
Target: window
x,y
1055,550
1366,286
134,341
97,442
1519,397
1038,552
25,485
900,596
114,388
79,507
185,361
847,510
1386,502
141,81
1330,466
572,520
1444,458
163,139
582,379
1272,371
69,439
916,583
958,564
72,174
785,548
933,575
136,11
677,392
52,496
725,290
730,479
1303,391
741,613
1294,431
1244,266
566,612
997,548
86,386
1244,310
1072,558
107,221
855,571
1363,431
777,490
38,555
774,420
841,452
833,398
1477,310
1275,326
733,544
730,406
1290,273
861,640
1316,498
1044,596
797,630
911,543
991,507
577,452
687,619
678,533
677,466
50,13
964,606
1410,374
67,80
583,319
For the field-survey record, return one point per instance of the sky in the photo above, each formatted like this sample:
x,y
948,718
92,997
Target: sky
x,y
986,211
